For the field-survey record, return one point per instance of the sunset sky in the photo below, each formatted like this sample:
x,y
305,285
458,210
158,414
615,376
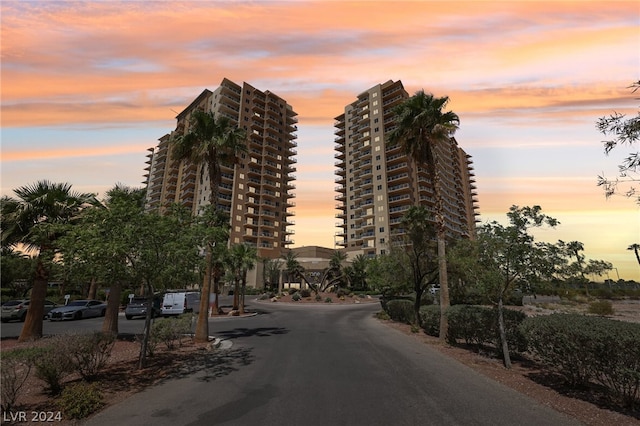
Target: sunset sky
x,y
88,87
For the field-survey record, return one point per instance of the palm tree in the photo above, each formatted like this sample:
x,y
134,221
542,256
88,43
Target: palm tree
x,y
635,247
213,143
421,127
335,267
292,266
32,221
242,258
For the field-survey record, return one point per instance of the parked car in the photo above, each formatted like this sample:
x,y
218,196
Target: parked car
x,y
138,307
17,309
78,309
179,302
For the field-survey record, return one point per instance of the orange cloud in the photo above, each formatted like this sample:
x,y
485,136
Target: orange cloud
x,y
43,154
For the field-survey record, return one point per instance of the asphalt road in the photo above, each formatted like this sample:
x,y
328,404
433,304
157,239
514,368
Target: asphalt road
x,y
326,365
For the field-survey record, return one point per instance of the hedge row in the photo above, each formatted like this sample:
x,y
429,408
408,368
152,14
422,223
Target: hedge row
x,y
584,349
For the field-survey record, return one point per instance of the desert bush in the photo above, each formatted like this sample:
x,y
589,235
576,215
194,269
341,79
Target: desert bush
x,y
471,324
401,311
55,363
382,315
430,319
584,348
90,352
478,326
343,292
170,330
79,400
305,292
15,368
601,307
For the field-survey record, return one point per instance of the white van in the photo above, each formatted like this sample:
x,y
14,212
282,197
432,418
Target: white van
x,y
179,302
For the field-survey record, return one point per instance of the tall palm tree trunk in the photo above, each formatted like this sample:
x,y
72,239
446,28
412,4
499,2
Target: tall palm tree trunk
x,y
444,286
442,251
32,328
202,326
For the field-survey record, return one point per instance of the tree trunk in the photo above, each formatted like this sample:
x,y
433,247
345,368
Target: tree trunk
x,y
215,308
236,295
93,287
503,335
244,285
32,328
142,359
444,285
110,323
416,308
280,282
202,326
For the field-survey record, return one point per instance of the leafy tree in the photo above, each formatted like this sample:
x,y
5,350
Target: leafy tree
x,y
422,126
388,274
124,245
211,143
16,268
29,221
625,131
420,253
505,256
581,268
103,243
241,259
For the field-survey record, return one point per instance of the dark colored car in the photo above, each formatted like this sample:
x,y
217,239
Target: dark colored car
x,y
17,309
138,307
78,309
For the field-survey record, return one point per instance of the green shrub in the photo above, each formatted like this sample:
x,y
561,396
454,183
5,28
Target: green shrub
x,y
291,290
305,292
430,319
318,298
90,352
55,364
473,324
170,330
401,311
79,400
478,326
296,297
601,307
343,292
584,348
382,315
328,300
15,368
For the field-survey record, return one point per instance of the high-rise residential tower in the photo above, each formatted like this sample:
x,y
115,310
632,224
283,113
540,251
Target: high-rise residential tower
x,y
378,183
256,192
